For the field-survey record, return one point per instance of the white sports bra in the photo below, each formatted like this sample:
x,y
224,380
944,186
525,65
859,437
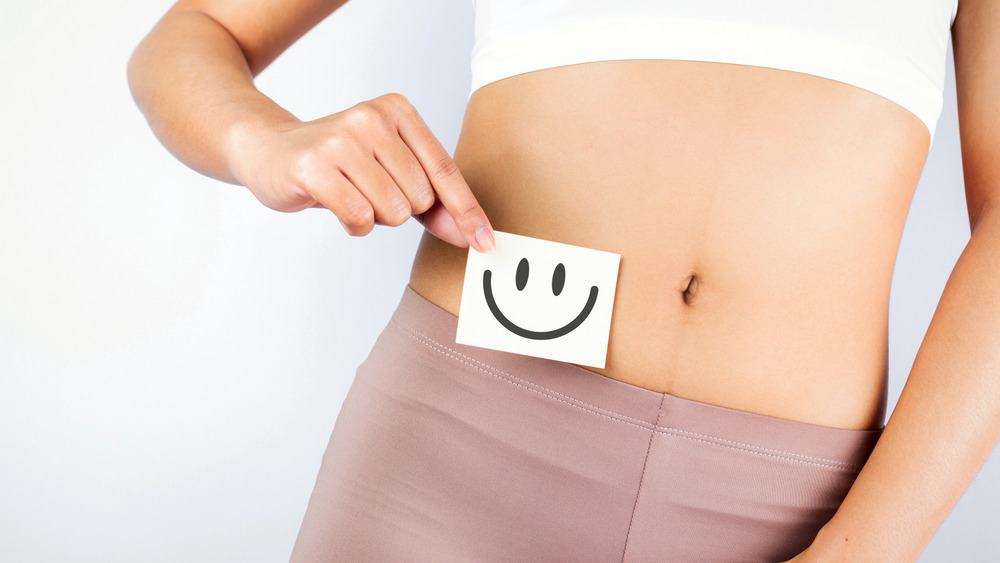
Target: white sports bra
x,y
894,48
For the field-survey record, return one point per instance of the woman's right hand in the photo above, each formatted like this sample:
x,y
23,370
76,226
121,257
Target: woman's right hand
x,y
376,162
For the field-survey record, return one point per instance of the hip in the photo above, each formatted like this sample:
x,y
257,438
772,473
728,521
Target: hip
x,y
449,451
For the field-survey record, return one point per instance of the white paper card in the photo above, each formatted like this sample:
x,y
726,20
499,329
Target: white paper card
x,y
539,298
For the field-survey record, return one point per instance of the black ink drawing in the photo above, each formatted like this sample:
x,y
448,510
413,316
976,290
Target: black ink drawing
x,y
520,281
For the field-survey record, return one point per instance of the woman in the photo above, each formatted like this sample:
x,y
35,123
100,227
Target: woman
x,y
752,166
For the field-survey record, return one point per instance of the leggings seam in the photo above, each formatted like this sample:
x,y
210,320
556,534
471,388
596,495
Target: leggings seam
x,y
500,374
496,375
642,478
749,448
618,417
748,451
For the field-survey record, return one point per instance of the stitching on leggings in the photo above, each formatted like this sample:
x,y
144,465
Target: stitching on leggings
x,y
642,477
752,448
500,374
457,353
676,435
487,371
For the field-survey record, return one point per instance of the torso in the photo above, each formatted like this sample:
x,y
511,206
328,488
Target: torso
x,y
782,195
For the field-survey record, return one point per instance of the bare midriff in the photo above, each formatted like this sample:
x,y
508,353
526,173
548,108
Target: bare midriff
x,y
757,211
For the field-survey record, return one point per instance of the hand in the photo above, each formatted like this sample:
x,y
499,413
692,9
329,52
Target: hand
x,y
376,162
810,555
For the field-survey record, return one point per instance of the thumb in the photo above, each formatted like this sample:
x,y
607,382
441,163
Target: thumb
x,y
440,223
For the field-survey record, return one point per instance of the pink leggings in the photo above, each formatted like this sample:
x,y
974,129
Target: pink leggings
x,y
448,452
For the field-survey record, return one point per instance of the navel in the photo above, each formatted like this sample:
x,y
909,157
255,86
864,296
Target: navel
x,y
689,293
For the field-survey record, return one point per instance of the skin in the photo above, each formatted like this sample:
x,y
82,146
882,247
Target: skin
x,y
374,163
764,211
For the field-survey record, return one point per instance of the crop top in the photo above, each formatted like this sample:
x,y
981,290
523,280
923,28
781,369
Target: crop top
x,y
894,48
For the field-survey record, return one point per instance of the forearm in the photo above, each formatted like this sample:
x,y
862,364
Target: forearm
x,y
191,80
944,426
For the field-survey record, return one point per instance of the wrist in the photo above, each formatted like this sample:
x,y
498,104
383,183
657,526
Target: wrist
x,y
839,542
827,546
248,136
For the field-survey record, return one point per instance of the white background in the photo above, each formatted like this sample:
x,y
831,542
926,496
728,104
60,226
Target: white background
x,y
173,354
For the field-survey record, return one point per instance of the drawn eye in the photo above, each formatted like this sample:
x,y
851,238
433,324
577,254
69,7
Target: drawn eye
x,y
521,278
558,279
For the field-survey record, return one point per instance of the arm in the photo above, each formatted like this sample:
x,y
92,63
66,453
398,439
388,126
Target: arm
x,y
374,163
192,76
947,420
944,427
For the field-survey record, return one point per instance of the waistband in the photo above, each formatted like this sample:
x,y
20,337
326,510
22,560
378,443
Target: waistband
x,y
661,412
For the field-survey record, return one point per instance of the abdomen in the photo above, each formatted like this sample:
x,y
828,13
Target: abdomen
x,y
757,212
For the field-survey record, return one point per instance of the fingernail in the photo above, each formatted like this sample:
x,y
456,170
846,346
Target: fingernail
x,y
484,239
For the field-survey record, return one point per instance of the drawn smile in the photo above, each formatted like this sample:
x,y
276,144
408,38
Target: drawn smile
x,y
557,282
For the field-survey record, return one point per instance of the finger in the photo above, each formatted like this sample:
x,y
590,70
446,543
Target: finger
x,y
336,193
439,223
447,180
402,165
376,185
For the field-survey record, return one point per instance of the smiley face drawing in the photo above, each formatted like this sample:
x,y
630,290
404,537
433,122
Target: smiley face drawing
x,y
539,298
521,280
